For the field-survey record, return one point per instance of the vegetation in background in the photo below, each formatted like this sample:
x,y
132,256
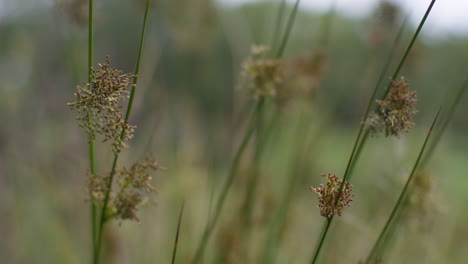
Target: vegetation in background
x,y
204,94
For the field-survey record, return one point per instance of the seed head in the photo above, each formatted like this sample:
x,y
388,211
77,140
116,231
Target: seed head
x,y
328,195
396,111
133,183
98,105
261,75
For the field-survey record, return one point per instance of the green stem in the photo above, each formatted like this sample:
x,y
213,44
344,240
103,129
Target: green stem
x,y
122,134
402,194
359,144
444,125
279,22
176,241
91,150
252,127
322,239
289,26
235,165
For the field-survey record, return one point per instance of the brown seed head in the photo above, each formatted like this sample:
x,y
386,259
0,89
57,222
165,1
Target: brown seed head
x,y
98,105
328,195
396,111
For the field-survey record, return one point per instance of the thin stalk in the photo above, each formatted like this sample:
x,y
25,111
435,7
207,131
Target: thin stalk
x,y
91,150
289,26
371,99
176,241
235,166
359,144
444,125
298,161
322,239
122,134
403,192
394,76
278,23
325,34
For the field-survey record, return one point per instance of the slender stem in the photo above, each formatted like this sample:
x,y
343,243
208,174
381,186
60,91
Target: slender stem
x,y
298,161
279,22
359,144
410,46
403,192
322,239
235,165
176,241
91,151
122,135
326,25
289,26
444,125
371,99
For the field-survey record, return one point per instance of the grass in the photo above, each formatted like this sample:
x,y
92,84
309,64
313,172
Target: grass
x,y
268,216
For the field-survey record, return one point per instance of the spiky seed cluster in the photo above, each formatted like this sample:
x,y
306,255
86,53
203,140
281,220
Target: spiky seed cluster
x,y
98,105
396,111
261,75
328,195
133,183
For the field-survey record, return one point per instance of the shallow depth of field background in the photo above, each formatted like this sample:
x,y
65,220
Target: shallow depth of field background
x,y
190,112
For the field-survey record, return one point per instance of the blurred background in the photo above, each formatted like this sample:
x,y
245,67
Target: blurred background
x,y
191,111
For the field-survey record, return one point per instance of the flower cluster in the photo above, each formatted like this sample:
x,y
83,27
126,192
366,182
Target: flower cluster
x,y
329,203
98,105
396,111
133,183
261,75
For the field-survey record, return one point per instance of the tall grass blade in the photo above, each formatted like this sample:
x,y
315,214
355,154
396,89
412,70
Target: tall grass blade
x,y
233,171
122,135
176,241
373,252
444,125
359,144
91,150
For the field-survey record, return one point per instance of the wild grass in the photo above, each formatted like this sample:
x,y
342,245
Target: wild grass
x,y
241,161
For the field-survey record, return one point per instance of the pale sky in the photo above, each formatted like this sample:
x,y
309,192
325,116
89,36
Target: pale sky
x,y
447,16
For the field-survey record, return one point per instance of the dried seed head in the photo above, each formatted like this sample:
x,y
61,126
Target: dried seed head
x,y
133,183
98,105
328,196
261,75
396,111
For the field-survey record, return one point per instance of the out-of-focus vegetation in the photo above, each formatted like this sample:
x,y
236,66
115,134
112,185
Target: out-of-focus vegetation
x,y
190,111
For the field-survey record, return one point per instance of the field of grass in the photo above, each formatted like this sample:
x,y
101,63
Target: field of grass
x,y
238,134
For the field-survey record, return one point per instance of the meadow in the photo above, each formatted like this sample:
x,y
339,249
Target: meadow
x,y
217,122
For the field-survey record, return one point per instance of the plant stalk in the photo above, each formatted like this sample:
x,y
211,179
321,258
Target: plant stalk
x,y
122,135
